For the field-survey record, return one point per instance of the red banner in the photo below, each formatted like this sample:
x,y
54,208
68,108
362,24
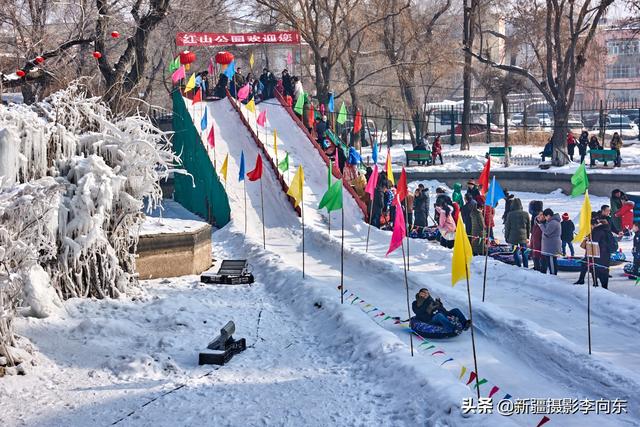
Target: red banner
x,y
222,39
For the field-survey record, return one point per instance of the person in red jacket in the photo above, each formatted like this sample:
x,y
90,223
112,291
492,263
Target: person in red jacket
x,y
625,213
571,145
535,243
436,150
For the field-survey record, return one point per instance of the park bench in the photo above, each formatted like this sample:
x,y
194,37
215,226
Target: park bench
x,y
603,156
498,151
419,156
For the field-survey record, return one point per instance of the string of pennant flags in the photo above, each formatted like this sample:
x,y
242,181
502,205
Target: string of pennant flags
x,y
427,346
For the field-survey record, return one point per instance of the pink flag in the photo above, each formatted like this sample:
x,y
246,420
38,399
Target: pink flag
x,y
178,75
262,118
212,139
322,109
243,92
399,229
289,58
373,180
210,67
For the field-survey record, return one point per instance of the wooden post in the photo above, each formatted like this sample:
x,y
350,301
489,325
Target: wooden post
x,y
406,286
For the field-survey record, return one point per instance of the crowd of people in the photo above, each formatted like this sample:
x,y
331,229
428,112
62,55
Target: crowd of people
x,y
582,143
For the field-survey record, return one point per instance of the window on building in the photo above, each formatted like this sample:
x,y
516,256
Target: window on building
x,y
627,47
621,71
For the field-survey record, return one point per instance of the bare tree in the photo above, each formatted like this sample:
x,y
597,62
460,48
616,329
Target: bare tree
x,y
560,46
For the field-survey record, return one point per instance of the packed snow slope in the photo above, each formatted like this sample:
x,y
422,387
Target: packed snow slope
x,y
532,331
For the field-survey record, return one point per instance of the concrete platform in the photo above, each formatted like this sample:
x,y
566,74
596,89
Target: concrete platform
x,y
176,244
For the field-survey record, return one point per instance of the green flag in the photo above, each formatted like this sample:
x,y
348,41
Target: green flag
x,y
332,199
298,108
284,164
580,180
342,115
174,65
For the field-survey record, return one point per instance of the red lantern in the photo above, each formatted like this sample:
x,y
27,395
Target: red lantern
x,y
224,58
115,34
39,59
97,55
20,73
186,58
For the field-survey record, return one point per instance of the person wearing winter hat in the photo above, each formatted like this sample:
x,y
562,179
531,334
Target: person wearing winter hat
x,y
551,241
566,235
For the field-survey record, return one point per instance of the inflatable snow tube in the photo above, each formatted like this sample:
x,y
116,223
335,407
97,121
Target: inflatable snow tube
x,y
501,248
427,330
506,257
628,271
431,233
618,258
569,263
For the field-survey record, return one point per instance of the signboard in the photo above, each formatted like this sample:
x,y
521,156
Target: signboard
x,y
223,39
593,249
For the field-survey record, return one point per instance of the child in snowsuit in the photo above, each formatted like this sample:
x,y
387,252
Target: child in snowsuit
x,y
566,234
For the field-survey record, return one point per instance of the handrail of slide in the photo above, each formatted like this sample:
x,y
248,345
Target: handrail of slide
x,y
257,141
334,170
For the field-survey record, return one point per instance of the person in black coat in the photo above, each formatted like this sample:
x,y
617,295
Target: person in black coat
x,y
321,128
583,143
469,206
601,234
432,311
420,207
287,83
566,234
636,248
378,204
508,199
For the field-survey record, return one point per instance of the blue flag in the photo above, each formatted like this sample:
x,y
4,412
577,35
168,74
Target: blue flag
x,y
354,157
330,105
495,193
231,70
374,152
203,121
241,174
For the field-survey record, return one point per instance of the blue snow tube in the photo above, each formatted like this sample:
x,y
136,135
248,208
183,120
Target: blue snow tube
x,y
628,271
618,258
501,248
569,263
430,233
427,330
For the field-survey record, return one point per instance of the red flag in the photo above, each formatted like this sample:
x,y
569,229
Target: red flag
x,y
197,97
543,421
211,138
357,124
402,185
399,228
256,173
483,181
312,115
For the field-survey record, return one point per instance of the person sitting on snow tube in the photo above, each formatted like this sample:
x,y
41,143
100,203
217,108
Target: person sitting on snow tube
x,y
432,320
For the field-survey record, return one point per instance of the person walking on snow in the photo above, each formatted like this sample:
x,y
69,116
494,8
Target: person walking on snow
x,y
571,145
551,241
583,143
535,242
517,228
568,229
432,311
436,150
616,144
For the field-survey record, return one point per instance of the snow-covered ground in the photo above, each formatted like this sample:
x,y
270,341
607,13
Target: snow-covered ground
x,y
313,361
170,218
473,160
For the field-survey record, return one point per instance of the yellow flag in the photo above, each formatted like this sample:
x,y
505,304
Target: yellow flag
x,y
295,189
585,219
251,106
251,60
389,171
191,84
462,254
223,169
275,143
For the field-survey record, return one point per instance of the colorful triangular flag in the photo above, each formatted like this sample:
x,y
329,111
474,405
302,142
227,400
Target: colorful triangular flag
x,y
462,254
296,189
241,173
256,173
225,164
580,180
342,115
191,84
399,228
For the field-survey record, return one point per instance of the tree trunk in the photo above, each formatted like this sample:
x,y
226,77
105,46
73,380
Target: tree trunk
x,y
505,109
468,35
559,137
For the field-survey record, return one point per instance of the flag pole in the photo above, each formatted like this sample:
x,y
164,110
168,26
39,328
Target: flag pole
x,y
244,185
406,221
329,212
473,339
341,260
264,239
486,251
589,265
406,286
369,228
302,216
